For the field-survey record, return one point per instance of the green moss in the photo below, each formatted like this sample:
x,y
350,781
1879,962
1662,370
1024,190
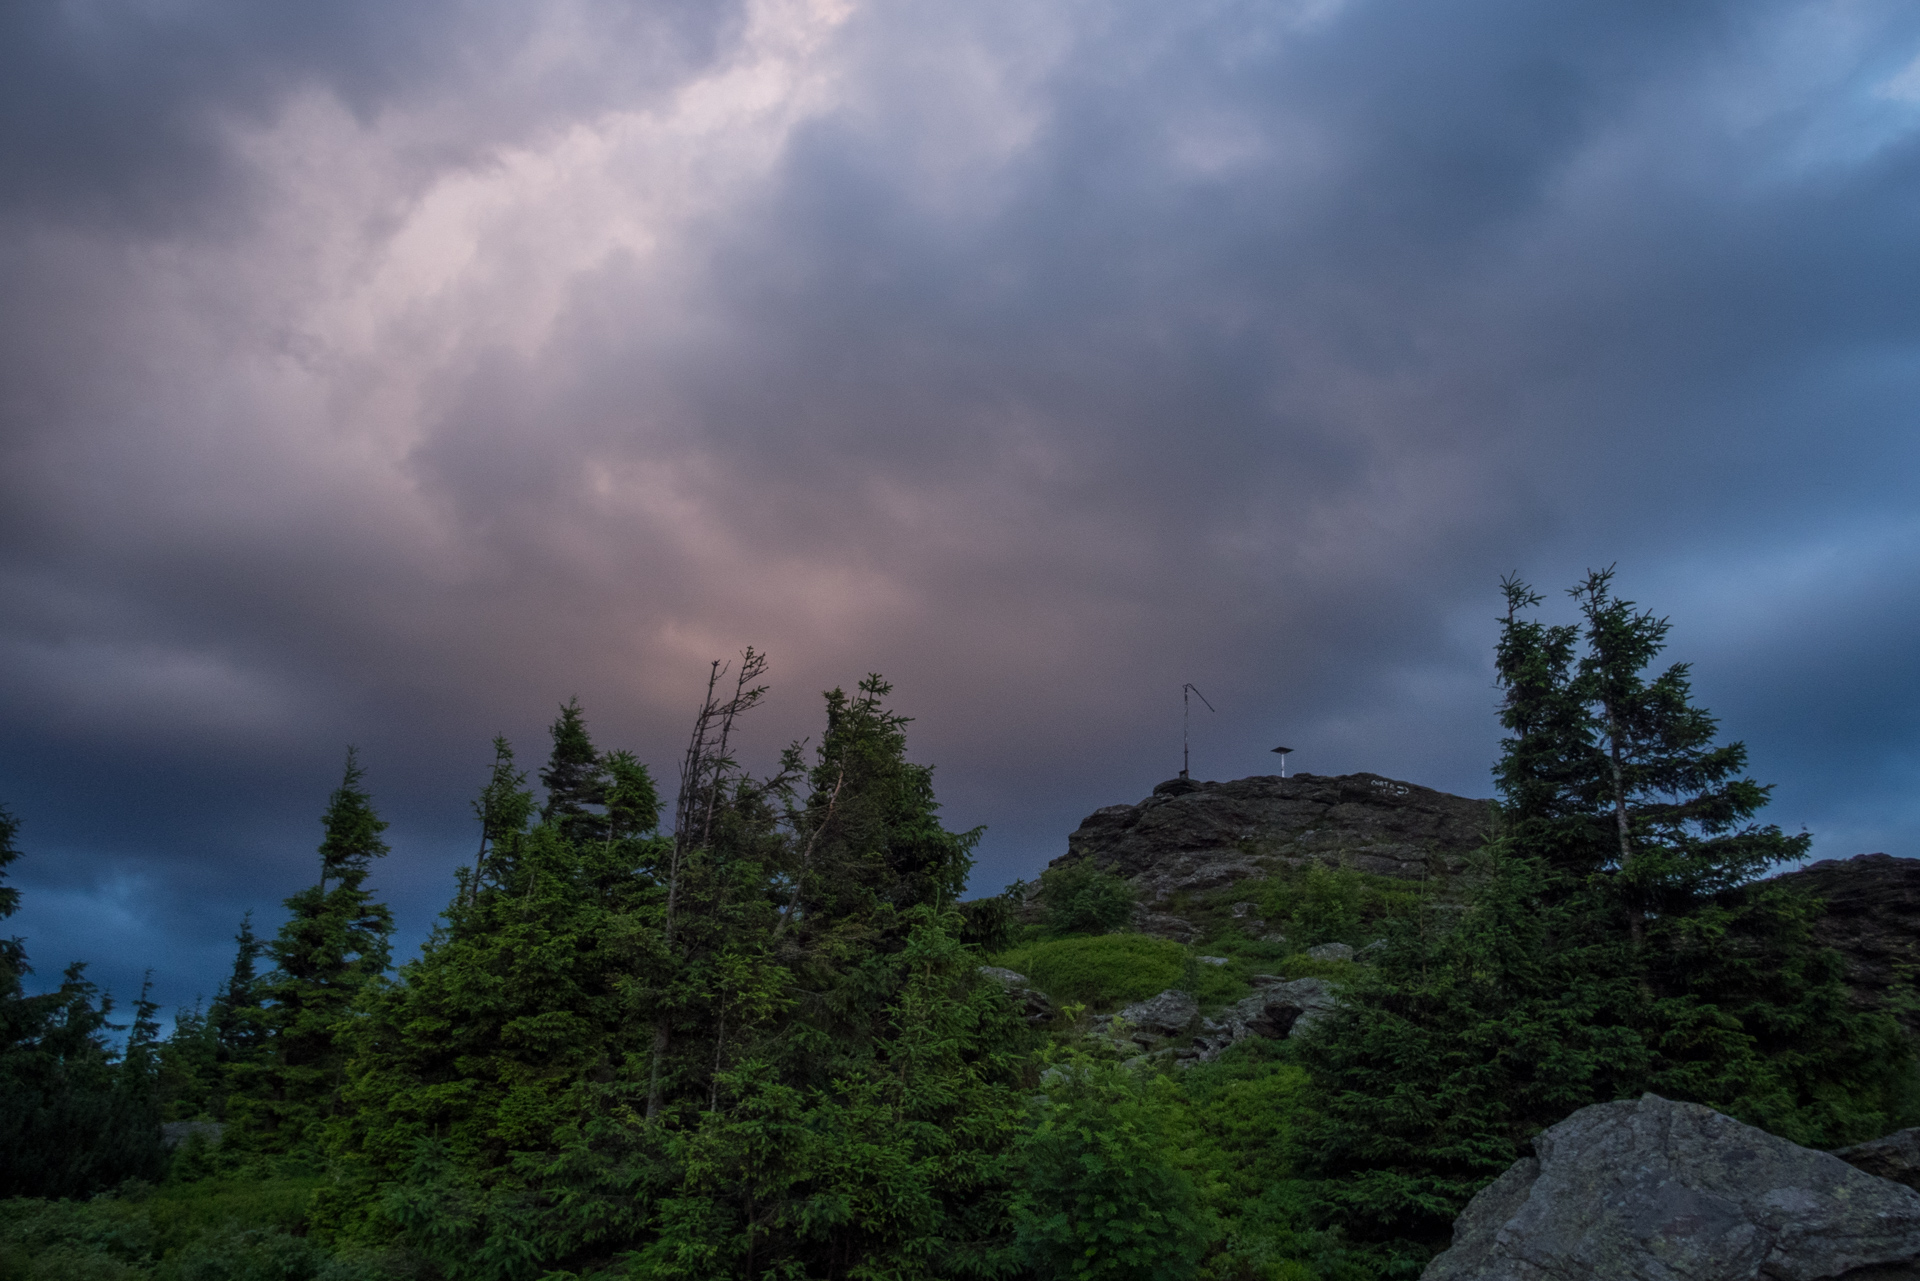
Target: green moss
x,y
1103,971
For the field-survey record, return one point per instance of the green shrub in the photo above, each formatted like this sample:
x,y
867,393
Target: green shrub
x,y
1082,899
1101,971
1314,904
1101,1196
239,1229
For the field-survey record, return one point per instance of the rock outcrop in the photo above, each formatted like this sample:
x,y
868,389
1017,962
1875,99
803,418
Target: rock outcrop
x,y
1158,1018
1895,1157
1655,1189
1278,1010
1873,920
1191,837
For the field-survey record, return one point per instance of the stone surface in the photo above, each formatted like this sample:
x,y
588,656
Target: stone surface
x,y
1872,919
1171,1013
1331,952
1276,1011
1281,1009
1164,925
1895,1157
1667,1191
1193,837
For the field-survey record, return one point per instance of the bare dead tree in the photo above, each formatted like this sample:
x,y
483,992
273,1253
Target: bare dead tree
x,y
703,775
806,853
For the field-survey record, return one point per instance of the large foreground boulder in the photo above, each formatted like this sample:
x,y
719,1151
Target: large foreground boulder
x,y
1677,1192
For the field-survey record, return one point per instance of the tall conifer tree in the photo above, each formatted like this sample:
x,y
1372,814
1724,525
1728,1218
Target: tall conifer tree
x,y
575,778
332,948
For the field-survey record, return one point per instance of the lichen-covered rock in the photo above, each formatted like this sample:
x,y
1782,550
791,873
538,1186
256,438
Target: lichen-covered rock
x,y
1667,1191
1895,1157
1275,1012
1192,837
1331,952
1145,1023
1280,1009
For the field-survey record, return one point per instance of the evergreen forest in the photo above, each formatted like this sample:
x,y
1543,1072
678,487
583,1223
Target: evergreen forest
x,y
697,1023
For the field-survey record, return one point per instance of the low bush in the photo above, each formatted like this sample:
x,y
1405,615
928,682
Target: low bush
x,y
1101,971
1080,898
242,1229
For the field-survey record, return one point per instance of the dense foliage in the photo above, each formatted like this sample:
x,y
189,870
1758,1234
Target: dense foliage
x,y
1616,942
752,1036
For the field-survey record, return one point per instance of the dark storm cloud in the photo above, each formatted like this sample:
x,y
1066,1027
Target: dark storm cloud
x,y
1041,359
117,110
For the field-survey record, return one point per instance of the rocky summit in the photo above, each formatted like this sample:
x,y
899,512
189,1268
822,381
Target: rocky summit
x,y
1190,838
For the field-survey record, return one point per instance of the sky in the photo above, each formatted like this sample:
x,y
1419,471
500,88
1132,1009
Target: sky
x,y
386,375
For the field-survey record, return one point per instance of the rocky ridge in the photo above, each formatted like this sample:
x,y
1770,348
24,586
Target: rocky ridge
x,y
1192,839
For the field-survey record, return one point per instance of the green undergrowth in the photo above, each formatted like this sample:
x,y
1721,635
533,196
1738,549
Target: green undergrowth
x,y
1106,971
1100,971
243,1228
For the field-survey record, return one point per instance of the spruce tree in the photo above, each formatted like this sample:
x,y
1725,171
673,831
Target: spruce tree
x,y
632,801
838,1089
333,947
575,778
475,1075
72,1121
238,1025
504,808
845,1086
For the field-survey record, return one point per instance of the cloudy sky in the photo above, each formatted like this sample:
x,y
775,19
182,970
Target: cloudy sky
x,y
386,374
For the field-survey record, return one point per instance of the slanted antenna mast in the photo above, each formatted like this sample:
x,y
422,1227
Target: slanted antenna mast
x,y
1186,717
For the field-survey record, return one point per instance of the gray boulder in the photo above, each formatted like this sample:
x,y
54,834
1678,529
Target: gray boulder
x,y
1280,1009
1275,1012
1895,1157
1670,1191
1331,952
1169,1014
